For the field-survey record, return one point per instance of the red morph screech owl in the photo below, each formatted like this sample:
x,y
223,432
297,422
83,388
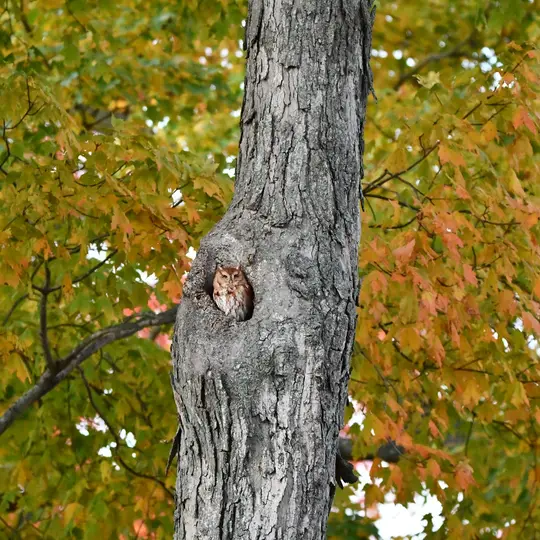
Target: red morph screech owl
x,y
232,292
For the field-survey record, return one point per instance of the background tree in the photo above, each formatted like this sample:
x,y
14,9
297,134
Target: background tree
x,y
149,95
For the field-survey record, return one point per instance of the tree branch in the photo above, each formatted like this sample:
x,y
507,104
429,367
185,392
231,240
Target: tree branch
x,y
87,348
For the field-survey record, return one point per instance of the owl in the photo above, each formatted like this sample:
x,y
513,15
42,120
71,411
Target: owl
x,y
232,292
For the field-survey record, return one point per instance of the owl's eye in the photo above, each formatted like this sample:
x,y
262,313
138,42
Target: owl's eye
x,y
235,276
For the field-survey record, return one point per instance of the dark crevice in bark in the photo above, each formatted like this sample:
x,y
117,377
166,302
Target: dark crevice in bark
x,y
261,401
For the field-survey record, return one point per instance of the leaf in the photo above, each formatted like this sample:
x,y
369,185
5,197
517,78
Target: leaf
x,y
70,511
464,476
433,469
409,339
429,80
530,322
489,131
469,275
397,162
404,253
447,155
173,289
514,184
521,118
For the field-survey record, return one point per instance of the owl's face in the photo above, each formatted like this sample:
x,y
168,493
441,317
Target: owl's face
x,y
229,277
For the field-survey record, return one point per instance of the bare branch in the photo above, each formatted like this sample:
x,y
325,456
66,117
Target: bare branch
x,y
87,348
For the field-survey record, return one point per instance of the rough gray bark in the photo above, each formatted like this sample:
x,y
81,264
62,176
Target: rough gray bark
x,y
261,401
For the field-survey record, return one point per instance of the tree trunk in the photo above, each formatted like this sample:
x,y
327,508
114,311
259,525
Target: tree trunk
x,y
261,401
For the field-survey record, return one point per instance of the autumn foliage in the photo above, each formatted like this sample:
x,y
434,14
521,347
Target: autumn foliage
x,y
118,140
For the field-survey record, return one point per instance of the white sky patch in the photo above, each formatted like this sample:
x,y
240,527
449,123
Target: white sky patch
x,y
191,253
148,279
163,123
398,520
411,62
105,451
177,197
129,438
95,253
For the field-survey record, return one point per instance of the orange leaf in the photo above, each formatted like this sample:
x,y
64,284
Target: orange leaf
x,y
530,322
447,155
464,476
469,275
521,117
433,429
404,253
173,288
462,193
433,468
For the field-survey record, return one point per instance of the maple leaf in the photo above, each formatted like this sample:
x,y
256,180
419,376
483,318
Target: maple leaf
x,y
404,253
521,118
463,474
469,275
429,80
489,131
447,155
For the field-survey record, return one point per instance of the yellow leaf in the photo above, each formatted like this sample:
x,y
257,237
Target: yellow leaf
x,y
410,339
428,81
208,185
397,161
537,289
67,285
514,184
105,469
489,131
69,512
